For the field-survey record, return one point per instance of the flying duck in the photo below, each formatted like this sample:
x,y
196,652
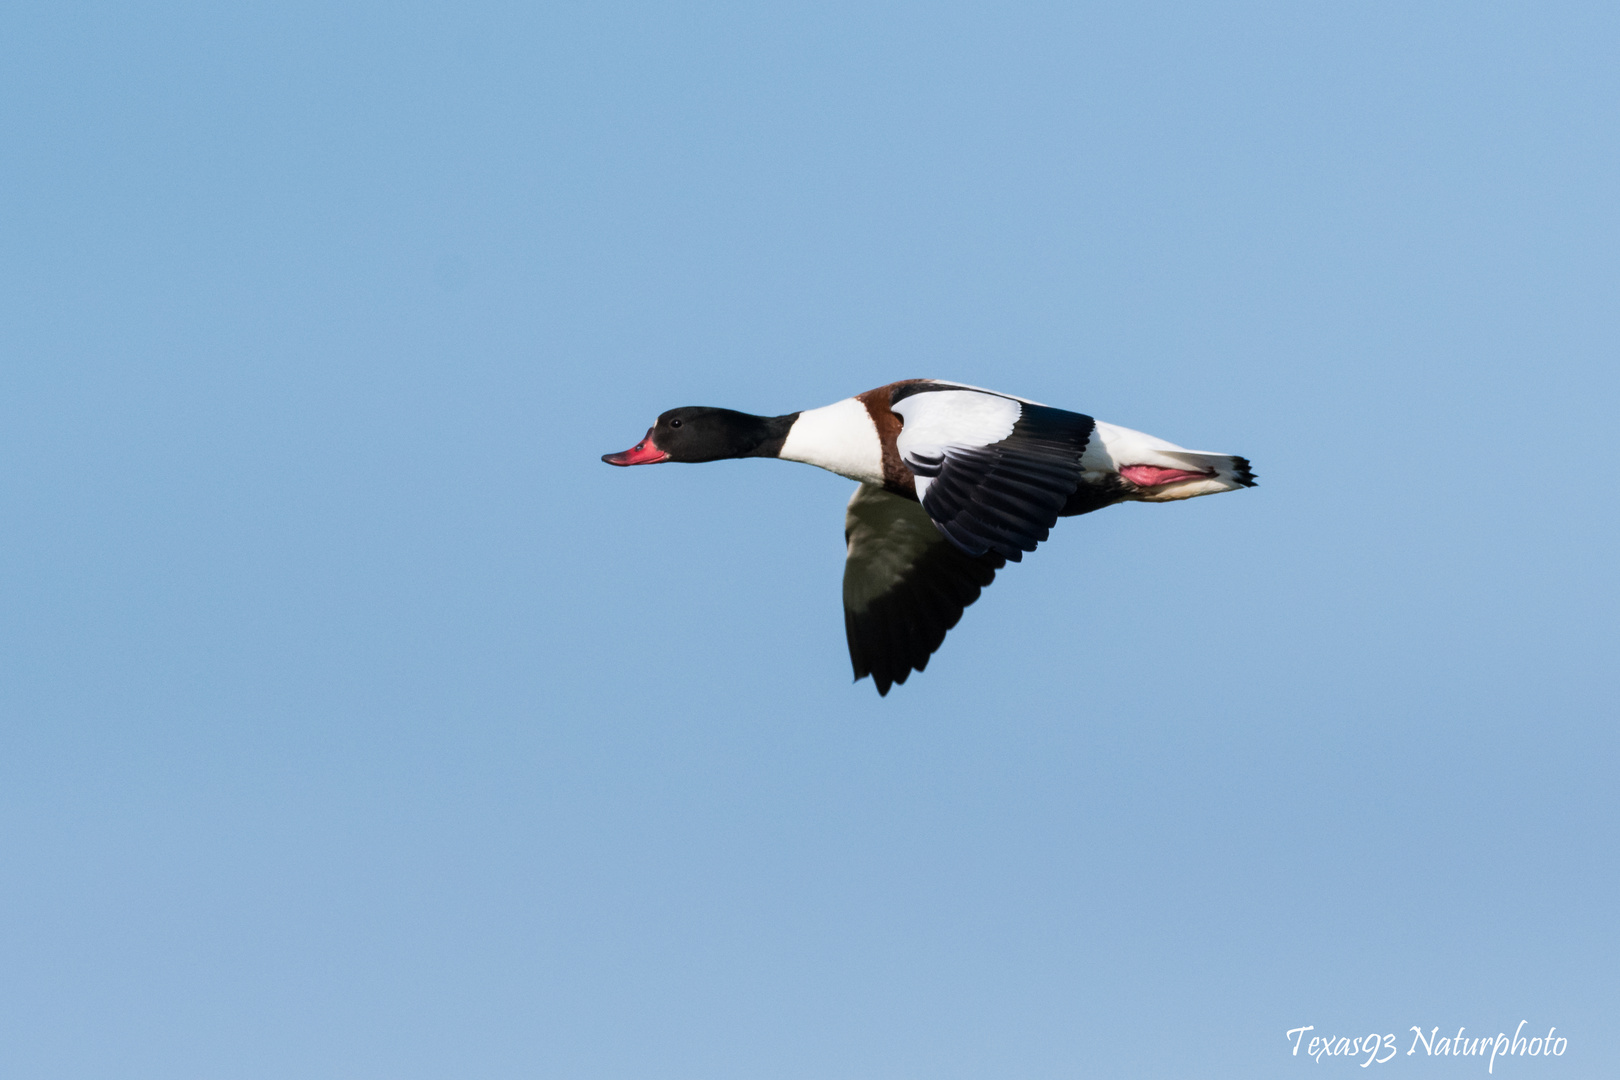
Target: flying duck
x,y
955,481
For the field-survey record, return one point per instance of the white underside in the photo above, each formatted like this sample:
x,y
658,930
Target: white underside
x,y
1113,447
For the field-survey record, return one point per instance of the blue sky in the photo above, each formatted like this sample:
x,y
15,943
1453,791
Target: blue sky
x,y
357,721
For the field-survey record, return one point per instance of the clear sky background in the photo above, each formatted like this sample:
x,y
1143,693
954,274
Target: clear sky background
x,y
357,721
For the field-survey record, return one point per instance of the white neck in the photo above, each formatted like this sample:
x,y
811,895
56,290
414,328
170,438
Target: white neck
x,y
840,438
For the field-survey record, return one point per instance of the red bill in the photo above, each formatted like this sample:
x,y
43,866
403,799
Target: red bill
x,y
643,453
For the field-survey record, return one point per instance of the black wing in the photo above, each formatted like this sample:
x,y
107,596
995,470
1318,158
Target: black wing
x,y
904,586
994,473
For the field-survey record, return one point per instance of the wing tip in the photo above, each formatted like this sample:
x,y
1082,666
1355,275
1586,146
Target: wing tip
x,y
882,684
900,628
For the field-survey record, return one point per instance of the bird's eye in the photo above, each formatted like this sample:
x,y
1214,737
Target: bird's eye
x,y
674,423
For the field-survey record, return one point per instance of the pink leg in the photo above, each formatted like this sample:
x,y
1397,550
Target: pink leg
x,y
1153,476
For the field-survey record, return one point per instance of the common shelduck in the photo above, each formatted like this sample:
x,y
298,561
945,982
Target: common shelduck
x,y
954,481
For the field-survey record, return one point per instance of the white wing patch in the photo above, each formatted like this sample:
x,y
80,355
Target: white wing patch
x,y
993,473
939,420
982,390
